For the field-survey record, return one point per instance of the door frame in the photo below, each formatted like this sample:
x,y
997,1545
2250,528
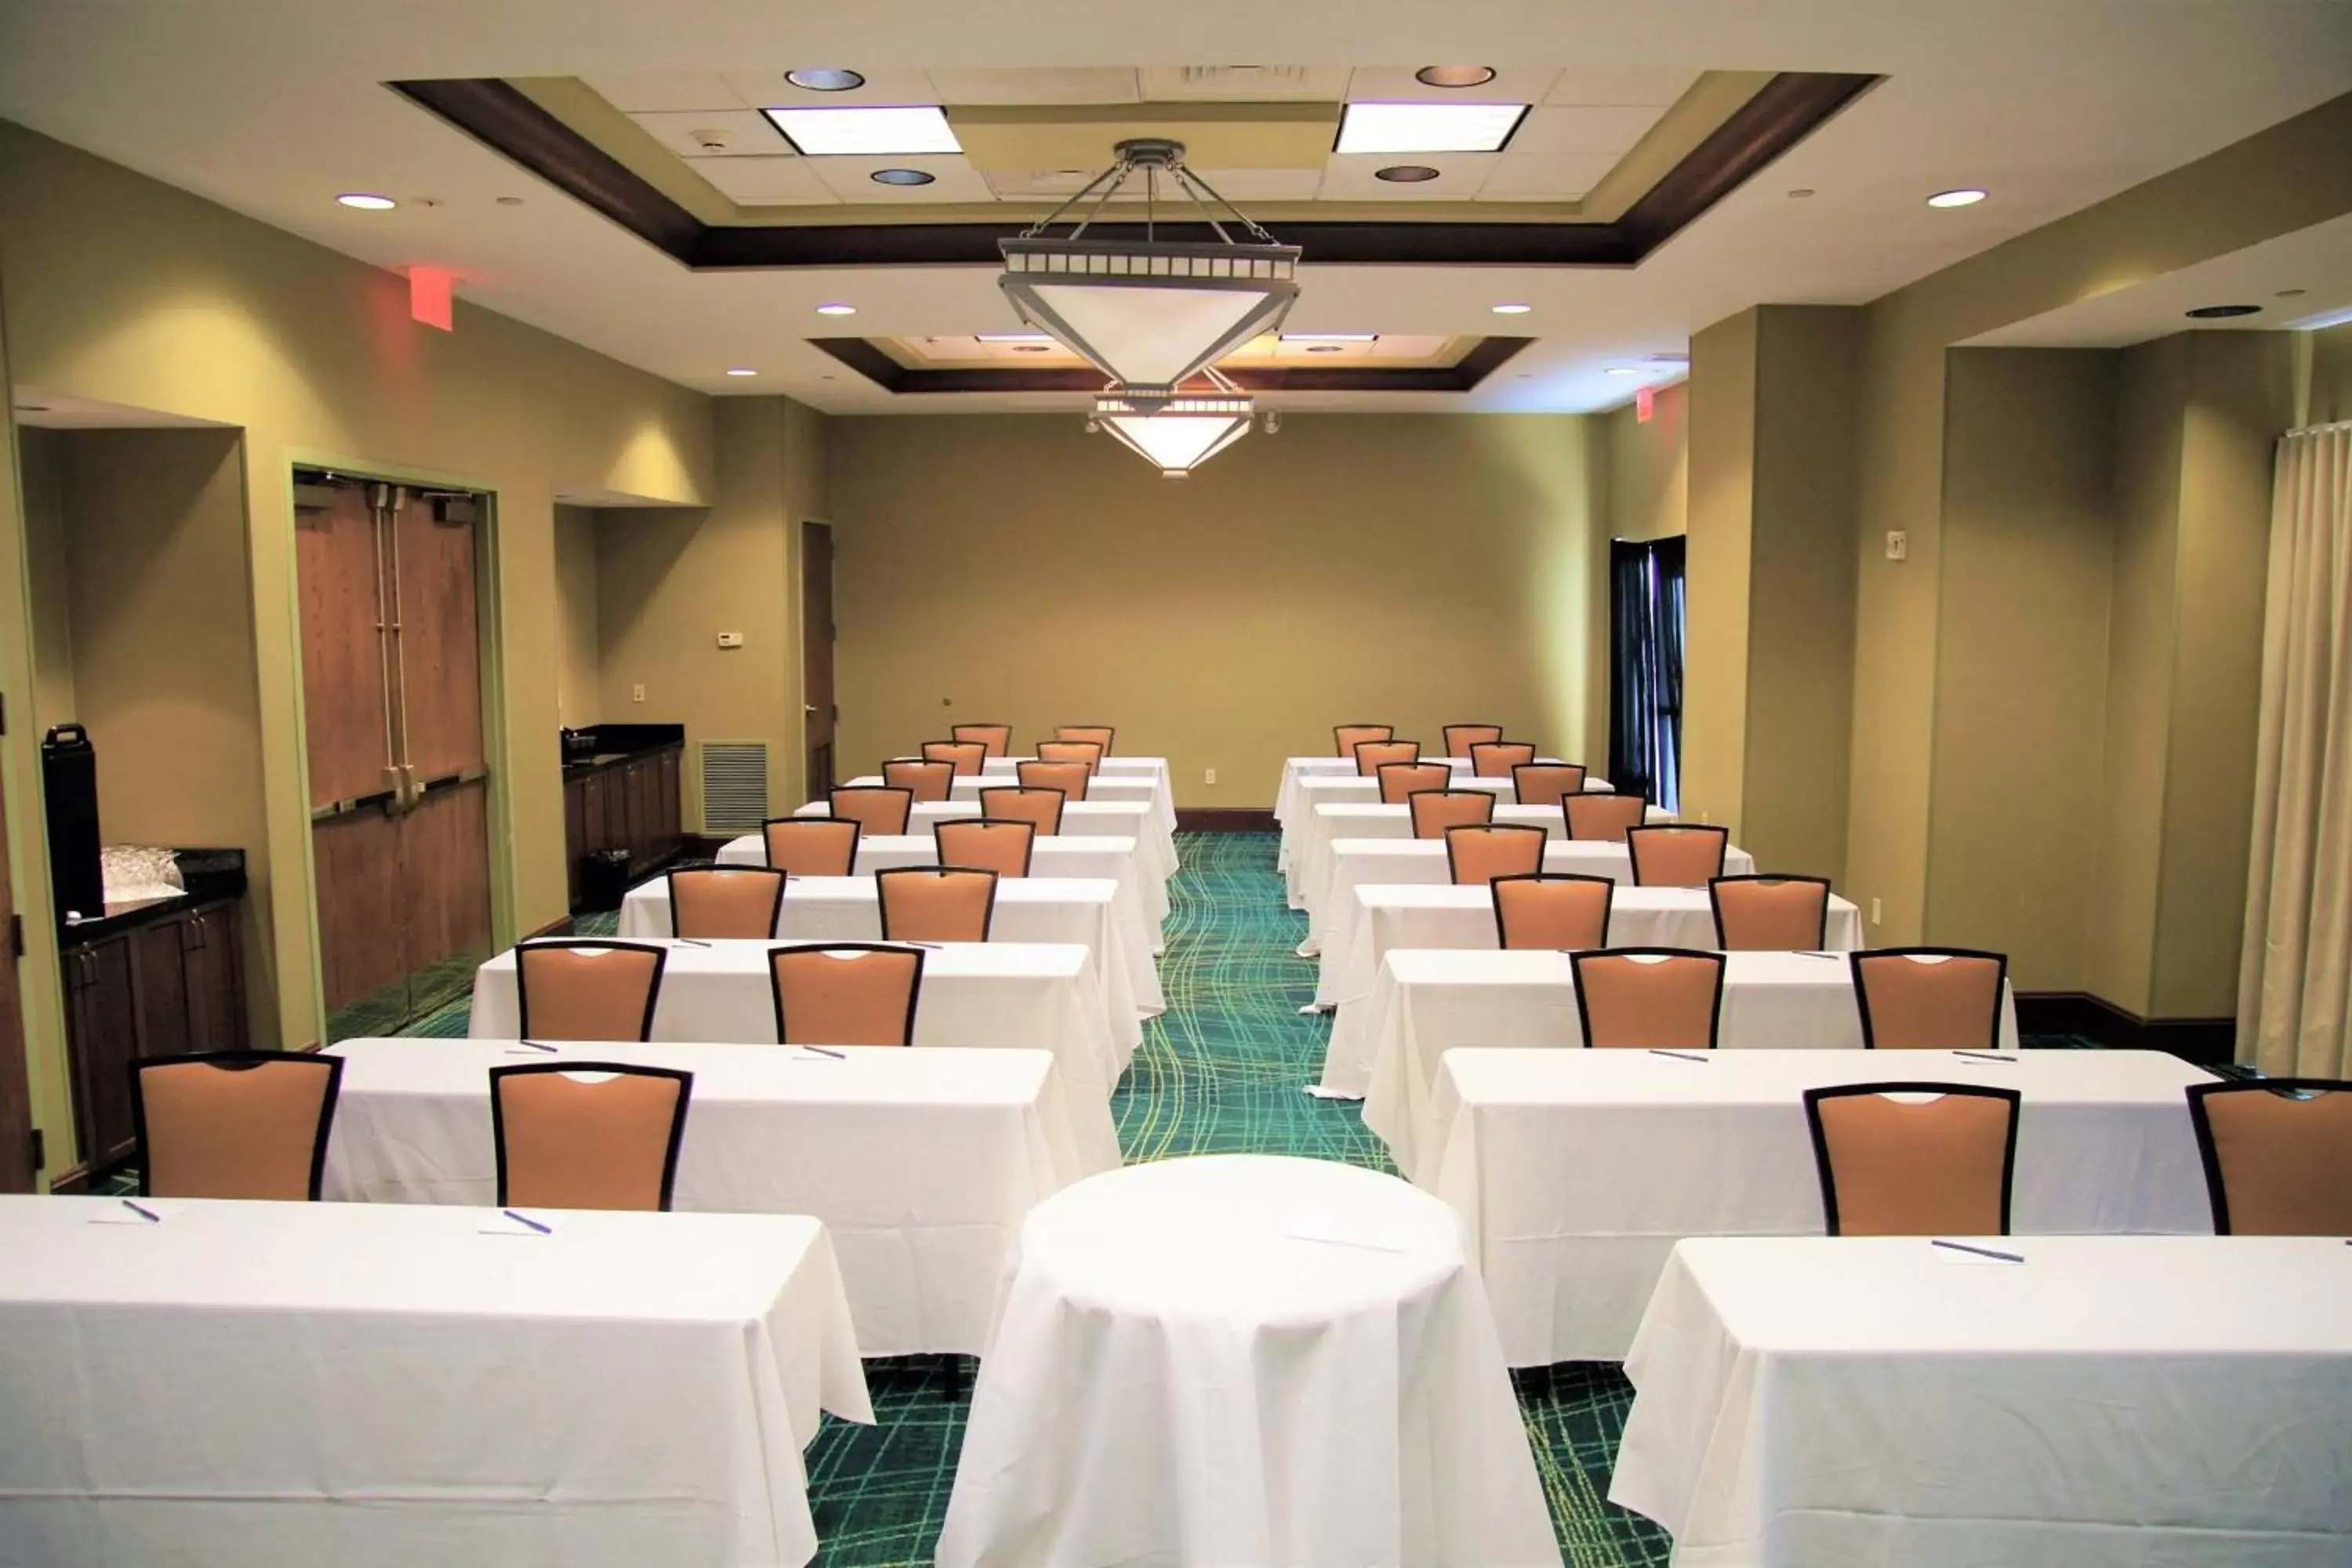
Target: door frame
x,y
489,627
798,783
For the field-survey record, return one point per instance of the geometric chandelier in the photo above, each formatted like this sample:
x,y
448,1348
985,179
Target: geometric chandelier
x,y
1177,433
1150,314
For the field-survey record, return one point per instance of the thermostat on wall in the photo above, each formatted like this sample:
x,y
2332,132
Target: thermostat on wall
x,y
730,639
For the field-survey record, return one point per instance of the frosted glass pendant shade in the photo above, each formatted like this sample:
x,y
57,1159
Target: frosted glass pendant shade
x,y
1176,434
1149,316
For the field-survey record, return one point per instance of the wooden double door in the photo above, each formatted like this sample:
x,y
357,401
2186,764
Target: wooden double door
x,y
392,707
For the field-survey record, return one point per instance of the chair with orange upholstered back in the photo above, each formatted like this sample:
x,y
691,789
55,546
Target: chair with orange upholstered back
x,y
936,903
1400,781
2278,1154
845,992
1676,854
1001,845
1604,816
811,845
996,739
725,902
588,1135
1347,737
1767,914
1546,784
875,808
1070,778
1460,738
568,989
928,781
1478,852
1564,911
1929,998
1042,808
1658,997
1914,1159
1436,810
234,1124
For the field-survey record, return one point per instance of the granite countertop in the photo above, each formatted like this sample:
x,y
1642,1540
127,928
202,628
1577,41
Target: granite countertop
x,y
209,875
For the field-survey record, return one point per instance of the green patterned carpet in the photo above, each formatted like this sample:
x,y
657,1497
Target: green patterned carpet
x,y
1222,1071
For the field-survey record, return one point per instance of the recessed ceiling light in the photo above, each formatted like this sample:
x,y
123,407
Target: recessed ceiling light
x,y
837,307
868,133
1032,348
1967,197
1800,194
1014,338
1405,173
1328,337
2222,312
1513,310
1323,348
1428,127
509,201
831,78
901,178
367,201
2290,293
739,371
1624,370
1454,76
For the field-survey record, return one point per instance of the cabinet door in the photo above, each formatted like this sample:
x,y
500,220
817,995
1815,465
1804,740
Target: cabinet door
x,y
102,1017
591,813
575,834
160,982
637,786
215,969
669,822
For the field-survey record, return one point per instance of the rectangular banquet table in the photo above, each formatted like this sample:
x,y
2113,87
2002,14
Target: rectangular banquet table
x,y
1358,862
990,994
1327,823
1028,908
2112,1401
1578,1171
1143,788
1426,1001
1153,767
377,1386
1155,843
921,1163
1141,906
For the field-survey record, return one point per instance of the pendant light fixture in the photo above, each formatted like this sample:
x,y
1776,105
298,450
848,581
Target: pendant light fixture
x,y
1178,432
1150,313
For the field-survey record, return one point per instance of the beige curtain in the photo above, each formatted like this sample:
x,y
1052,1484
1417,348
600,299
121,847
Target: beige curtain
x,y
2295,985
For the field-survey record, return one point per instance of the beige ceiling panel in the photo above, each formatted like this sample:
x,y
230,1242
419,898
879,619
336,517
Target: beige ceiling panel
x,y
1019,142
852,180
787,181
1037,85
1632,86
675,91
716,133
1243,187
1244,84
1395,84
1354,178
1568,132
1535,177
768,89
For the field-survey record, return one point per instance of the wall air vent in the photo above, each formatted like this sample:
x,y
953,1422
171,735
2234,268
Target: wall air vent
x,y
734,787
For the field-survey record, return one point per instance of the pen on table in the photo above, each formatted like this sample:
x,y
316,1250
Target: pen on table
x,y
526,1219
1980,1251
143,1213
1678,1056
820,1050
690,941
1816,952
536,1046
1985,1055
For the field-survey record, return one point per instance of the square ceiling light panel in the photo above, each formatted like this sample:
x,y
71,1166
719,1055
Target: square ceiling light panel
x,y
867,132
1428,127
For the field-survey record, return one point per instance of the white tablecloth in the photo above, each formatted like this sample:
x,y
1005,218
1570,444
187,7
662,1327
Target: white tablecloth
x,y
1426,1001
1578,1171
1142,787
1321,827
1155,843
1156,767
1444,915
1240,1360
267,1384
1360,862
991,994
921,1163
2112,1401
1142,904
1028,908
1289,802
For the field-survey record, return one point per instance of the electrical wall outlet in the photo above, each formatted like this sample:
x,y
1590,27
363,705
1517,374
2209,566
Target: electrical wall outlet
x,y
1210,776
1874,912
730,639
1898,545
637,692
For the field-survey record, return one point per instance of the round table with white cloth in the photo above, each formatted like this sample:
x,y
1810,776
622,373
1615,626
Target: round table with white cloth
x,y
1244,1359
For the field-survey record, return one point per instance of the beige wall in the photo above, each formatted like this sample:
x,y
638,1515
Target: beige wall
x,y
2020,689
2329,393
1406,569
1649,467
1722,531
45,550
579,695
669,582
2285,179
125,290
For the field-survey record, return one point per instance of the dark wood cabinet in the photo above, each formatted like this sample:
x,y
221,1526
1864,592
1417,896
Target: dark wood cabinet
x,y
632,803
169,987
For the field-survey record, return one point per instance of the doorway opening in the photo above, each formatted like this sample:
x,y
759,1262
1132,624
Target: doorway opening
x,y
1645,669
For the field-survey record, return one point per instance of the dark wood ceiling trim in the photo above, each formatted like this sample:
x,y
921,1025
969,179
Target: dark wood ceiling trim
x,y
503,120
1788,108
1485,358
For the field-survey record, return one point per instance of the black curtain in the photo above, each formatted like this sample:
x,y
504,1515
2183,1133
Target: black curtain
x,y
1645,668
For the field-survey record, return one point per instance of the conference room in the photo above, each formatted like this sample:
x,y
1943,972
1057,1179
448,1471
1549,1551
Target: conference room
x,y
1076,786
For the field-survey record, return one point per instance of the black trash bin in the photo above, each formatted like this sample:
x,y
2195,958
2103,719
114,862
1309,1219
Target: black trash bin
x,y
604,879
